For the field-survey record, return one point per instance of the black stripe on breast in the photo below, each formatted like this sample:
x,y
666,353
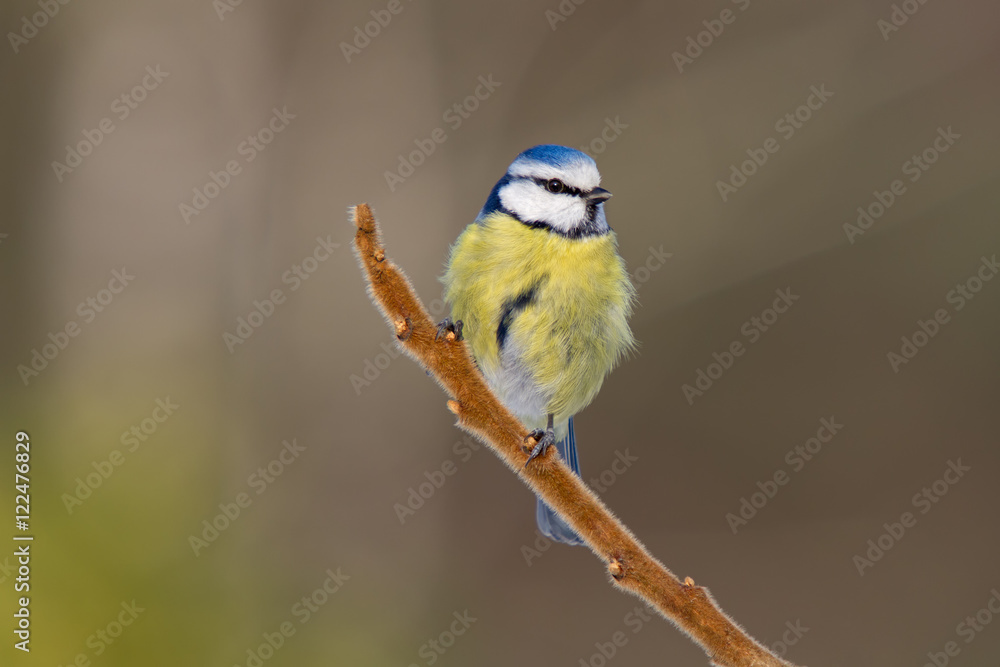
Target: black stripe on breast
x,y
512,308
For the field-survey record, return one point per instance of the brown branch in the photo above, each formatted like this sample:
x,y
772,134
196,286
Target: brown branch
x,y
631,567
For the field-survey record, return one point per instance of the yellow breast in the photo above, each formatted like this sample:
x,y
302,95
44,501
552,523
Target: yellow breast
x,y
546,316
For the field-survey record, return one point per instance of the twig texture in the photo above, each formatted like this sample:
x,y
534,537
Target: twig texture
x,y
629,564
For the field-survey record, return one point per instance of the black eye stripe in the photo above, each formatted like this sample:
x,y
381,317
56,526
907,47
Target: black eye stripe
x,y
543,183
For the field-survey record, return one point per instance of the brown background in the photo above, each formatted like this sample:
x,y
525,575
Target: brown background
x,y
366,446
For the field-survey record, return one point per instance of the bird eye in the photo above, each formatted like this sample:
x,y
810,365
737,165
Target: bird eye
x,y
555,186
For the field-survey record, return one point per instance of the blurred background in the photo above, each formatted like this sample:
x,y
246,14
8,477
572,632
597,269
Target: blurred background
x,y
220,472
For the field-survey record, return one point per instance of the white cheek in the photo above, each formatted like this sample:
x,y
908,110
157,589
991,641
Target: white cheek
x,y
530,202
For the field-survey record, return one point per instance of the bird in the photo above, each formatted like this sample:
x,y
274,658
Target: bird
x,y
538,289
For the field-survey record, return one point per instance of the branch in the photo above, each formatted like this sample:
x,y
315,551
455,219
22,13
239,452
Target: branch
x,y
479,412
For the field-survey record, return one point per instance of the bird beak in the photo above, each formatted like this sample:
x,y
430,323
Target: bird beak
x,y
598,195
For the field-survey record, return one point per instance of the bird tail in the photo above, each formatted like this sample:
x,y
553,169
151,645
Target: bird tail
x,y
551,525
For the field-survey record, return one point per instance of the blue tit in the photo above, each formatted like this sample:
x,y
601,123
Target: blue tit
x,y
543,298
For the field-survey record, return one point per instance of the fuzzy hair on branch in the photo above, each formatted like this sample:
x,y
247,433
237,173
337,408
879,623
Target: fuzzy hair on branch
x,y
630,566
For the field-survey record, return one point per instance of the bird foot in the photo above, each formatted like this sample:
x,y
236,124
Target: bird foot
x,y
543,440
450,330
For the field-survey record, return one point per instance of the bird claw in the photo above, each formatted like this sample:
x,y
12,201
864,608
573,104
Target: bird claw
x,y
544,438
446,326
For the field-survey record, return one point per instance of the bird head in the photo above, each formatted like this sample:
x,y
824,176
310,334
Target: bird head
x,y
552,187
